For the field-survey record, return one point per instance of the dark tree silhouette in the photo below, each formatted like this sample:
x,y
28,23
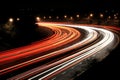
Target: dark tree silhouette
x,y
22,32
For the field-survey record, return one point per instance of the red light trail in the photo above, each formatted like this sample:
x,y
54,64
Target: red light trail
x,y
67,39
62,36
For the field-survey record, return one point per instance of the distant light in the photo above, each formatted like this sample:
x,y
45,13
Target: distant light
x,y
71,18
115,17
37,18
57,17
109,17
91,15
50,17
77,15
44,17
65,16
18,19
101,15
10,19
88,17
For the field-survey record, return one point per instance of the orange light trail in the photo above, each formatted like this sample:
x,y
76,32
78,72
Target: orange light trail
x,y
96,39
62,36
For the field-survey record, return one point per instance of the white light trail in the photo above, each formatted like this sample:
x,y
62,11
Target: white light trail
x,y
71,60
108,37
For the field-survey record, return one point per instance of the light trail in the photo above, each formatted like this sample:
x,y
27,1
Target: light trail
x,y
108,38
66,43
92,35
61,37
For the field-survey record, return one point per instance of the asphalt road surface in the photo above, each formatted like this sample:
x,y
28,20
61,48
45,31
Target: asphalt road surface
x,y
55,56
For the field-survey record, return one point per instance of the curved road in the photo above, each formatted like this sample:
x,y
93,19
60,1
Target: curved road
x,y
68,46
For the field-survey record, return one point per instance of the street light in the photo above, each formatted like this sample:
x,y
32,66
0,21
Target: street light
x,y
18,19
57,17
109,17
44,17
91,15
115,17
10,19
77,15
65,16
50,17
71,18
101,15
37,18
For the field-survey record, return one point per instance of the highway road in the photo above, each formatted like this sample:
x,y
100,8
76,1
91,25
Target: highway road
x,y
70,45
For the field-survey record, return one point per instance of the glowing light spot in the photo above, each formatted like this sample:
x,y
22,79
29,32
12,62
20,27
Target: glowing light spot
x,y
10,19
18,19
37,18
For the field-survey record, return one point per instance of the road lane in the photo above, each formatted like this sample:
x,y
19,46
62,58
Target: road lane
x,y
63,36
107,39
96,40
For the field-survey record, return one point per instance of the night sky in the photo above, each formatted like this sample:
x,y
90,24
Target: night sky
x,y
11,7
60,4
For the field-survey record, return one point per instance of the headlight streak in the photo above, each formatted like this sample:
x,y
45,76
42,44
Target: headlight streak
x,y
49,71
108,38
92,35
63,36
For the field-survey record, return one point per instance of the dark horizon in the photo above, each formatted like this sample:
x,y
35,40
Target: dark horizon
x,y
57,7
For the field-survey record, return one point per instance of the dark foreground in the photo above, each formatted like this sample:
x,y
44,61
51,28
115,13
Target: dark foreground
x,y
107,69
